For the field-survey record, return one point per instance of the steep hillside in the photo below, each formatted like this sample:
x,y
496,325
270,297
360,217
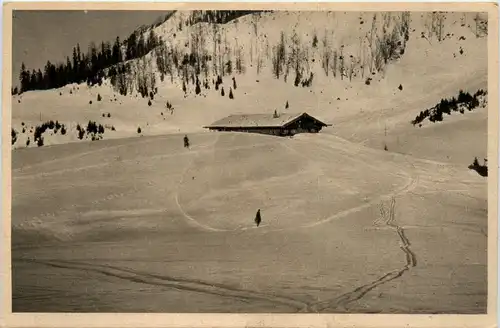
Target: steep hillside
x,y
342,66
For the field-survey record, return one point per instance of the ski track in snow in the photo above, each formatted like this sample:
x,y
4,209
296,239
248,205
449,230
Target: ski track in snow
x,y
190,285
409,186
342,301
189,218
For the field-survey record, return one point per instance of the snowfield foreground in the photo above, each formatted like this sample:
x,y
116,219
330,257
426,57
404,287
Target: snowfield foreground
x,y
145,225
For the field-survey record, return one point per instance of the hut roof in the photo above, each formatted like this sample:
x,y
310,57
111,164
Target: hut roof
x,y
259,120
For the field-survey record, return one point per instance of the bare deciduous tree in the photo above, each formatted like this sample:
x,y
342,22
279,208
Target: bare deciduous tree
x,y
279,56
370,37
335,63
326,54
342,63
259,63
439,25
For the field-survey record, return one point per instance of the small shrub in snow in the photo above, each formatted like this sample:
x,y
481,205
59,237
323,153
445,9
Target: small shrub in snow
x,y
113,128
222,92
297,80
28,142
91,127
308,82
475,162
400,87
39,129
14,136
149,102
109,114
231,93
90,102
482,170
40,142
286,105
24,130
99,98
81,133
139,130
198,88
63,130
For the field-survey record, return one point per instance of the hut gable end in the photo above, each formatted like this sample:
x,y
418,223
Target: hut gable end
x,y
306,118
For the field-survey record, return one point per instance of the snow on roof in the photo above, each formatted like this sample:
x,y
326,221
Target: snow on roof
x,y
256,120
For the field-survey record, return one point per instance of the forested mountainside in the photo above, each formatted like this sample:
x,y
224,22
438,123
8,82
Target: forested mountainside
x,y
190,68
199,45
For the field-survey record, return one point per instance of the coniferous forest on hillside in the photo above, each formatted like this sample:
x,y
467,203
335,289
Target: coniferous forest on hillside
x,y
90,66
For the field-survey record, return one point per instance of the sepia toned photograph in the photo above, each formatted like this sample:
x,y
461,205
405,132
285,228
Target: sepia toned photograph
x,y
280,161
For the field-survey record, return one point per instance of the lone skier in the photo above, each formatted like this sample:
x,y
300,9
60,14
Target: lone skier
x,y
258,219
186,142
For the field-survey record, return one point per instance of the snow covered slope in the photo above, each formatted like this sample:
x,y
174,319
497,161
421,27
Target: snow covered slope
x,y
259,57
